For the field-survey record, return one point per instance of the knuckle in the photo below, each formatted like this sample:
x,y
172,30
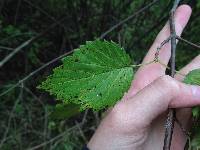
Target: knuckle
x,y
119,110
196,59
120,117
163,80
126,119
168,84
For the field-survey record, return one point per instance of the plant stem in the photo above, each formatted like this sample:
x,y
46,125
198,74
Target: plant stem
x,y
128,18
171,115
35,72
188,42
139,65
157,61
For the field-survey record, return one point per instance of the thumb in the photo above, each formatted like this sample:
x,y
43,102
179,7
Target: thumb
x,y
156,98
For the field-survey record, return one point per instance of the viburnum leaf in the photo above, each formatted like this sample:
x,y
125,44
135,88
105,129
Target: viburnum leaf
x,y
193,77
96,76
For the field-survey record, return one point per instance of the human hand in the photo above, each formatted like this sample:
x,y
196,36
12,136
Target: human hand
x,y
137,121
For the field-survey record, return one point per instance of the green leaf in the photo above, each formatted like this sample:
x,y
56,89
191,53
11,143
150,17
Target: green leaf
x,y
195,141
193,77
196,112
96,76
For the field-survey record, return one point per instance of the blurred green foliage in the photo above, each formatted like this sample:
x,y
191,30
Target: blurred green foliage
x,y
25,112
64,111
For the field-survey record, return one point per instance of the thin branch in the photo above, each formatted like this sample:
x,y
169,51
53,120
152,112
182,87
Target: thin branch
x,y
78,125
10,117
44,12
169,126
182,128
156,58
56,59
28,34
6,48
164,65
35,72
38,8
140,65
188,42
160,19
28,42
33,95
53,139
167,67
128,18
8,57
81,132
150,30
17,11
50,17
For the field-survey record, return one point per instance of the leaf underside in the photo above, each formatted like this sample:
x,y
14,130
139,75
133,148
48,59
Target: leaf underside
x,y
96,76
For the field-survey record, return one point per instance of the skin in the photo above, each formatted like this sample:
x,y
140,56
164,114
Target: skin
x,y
137,121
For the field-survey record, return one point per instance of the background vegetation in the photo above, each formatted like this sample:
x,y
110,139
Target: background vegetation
x,y
54,28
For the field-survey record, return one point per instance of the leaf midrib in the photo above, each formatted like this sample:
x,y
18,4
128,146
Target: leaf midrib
x,y
94,74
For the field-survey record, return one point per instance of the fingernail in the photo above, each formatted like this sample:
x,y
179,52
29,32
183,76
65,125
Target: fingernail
x,y
196,91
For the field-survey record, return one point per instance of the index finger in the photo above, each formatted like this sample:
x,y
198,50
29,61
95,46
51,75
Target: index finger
x,y
148,73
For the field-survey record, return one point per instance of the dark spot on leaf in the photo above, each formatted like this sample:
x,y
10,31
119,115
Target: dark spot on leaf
x,y
100,94
76,96
76,60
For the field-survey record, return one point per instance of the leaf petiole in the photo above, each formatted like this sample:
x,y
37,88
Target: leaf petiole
x,y
156,61
140,65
